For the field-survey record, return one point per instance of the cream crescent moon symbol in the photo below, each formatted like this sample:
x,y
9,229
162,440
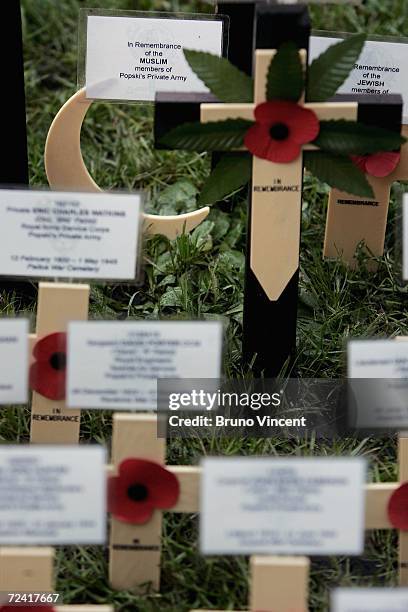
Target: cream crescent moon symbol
x,y
66,169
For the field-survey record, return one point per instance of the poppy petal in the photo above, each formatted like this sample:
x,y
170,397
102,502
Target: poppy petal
x,y
47,381
382,164
360,161
303,124
259,143
283,152
163,486
275,112
47,346
398,508
257,140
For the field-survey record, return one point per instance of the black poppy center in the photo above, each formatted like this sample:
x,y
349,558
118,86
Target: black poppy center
x,y
138,492
58,361
279,131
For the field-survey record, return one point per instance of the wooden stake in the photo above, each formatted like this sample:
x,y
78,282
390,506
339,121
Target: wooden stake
x,y
352,220
278,583
135,550
51,421
31,570
27,570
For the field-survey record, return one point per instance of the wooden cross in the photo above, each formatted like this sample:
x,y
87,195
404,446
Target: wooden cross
x,y
278,584
134,558
135,551
58,304
271,294
352,220
31,570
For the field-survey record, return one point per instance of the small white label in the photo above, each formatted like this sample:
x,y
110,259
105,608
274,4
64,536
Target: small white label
x,y
377,359
52,495
378,383
132,58
380,69
369,600
69,235
116,365
13,361
282,506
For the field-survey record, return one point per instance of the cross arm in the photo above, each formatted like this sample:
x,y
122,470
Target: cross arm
x,y
221,112
173,109
377,496
189,477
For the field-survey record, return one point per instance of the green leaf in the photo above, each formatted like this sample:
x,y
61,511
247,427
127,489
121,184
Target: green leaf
x,y
338,171
221,77
172,298
213,136
231,173
177,198
329,71
353,138
285,75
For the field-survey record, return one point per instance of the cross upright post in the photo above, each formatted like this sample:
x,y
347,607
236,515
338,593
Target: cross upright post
x,y
58,303
278,583
31,571
27,569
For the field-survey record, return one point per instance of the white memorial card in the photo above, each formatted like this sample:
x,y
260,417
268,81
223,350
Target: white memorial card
x,y
282,506
133,57
378,383
115,365
52,495
46,234
14,361
381,69
369,600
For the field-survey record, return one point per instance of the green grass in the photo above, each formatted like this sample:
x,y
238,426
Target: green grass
x,y
202,275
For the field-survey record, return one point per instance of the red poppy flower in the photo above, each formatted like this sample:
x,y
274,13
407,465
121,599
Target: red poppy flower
x,y
141,487
398,508
378,164
280,131
47,373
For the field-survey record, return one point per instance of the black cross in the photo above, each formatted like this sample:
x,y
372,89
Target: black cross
x,y
14,165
